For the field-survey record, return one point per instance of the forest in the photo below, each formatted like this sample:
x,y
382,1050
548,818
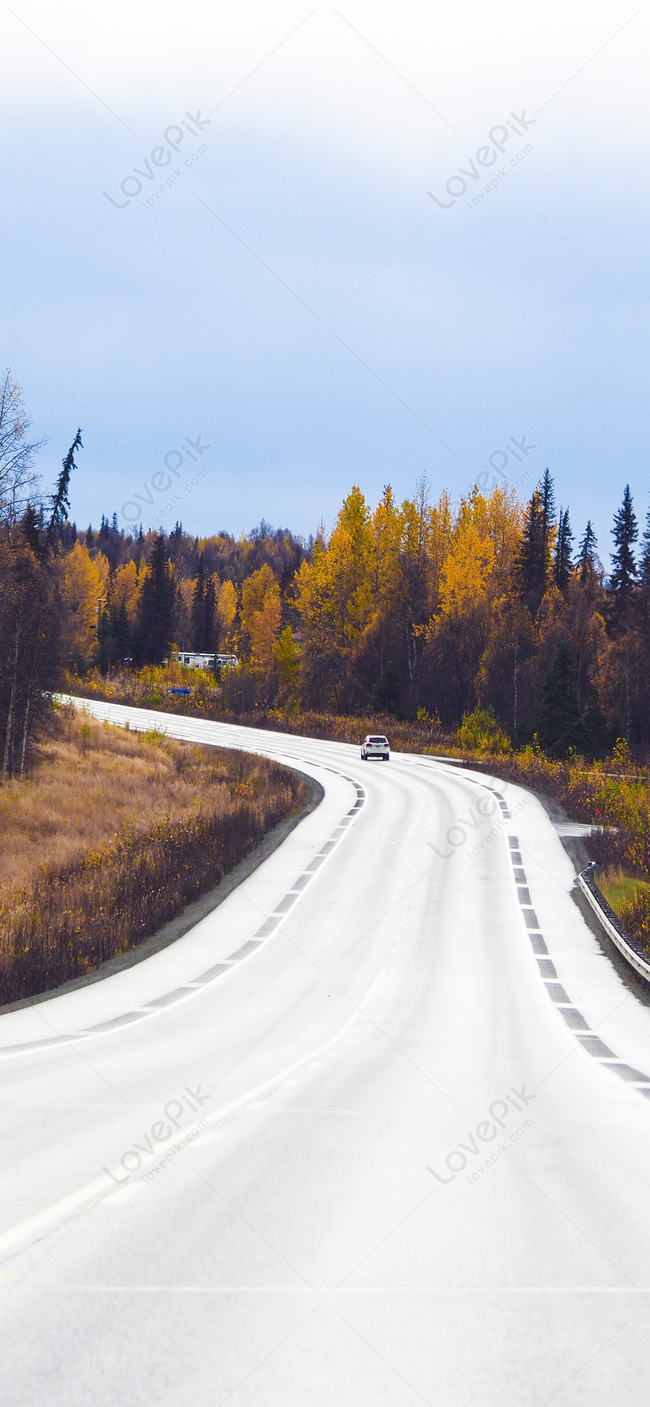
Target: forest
x,y
424,610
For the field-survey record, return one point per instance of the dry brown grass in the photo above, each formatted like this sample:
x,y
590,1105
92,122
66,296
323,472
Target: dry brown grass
x,y
91,782
112,835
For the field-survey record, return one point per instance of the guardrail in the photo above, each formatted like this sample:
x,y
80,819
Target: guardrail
x,y
610,921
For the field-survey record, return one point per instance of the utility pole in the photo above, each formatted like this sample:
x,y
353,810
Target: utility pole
x,y
515,701
101,601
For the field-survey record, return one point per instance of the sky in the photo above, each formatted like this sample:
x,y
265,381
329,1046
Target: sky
x,y
261,252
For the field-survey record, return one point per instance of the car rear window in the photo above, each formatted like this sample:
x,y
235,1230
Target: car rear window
x,y
377,740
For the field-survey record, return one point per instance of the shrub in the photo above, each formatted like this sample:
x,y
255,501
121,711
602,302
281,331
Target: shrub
x,y
481,732
635,918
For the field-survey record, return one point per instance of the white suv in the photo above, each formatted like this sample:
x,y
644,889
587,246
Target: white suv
x,y
374,746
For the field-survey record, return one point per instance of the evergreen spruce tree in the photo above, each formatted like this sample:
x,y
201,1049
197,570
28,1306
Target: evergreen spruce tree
x,y
560,723
114,635
204,609
547,499
385,695
209,615
198,606
30,527
530,562
562,564
624,572
175,538
588,563
121,630
154,623
533,563
105,638
644,566
60,497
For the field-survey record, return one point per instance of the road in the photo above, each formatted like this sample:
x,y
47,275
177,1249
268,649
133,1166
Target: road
x,y
376,1131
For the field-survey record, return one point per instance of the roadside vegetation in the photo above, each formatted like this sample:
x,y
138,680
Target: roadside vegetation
x,y
113,834
203,697
478,626
612,794
630,899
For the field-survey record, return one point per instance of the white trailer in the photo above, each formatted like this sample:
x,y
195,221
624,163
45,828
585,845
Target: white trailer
x,y
196,659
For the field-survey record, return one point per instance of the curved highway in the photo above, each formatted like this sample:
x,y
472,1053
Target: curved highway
x,y
375,1132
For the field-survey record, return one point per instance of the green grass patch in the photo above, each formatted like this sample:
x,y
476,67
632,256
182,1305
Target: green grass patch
x,y
620,889
630,899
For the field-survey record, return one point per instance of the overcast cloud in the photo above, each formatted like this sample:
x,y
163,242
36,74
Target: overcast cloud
x,y
334,244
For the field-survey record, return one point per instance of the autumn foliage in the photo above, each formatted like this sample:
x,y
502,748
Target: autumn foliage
x,y
436,607
429,604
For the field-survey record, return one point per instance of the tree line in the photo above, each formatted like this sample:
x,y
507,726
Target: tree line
x,y
421,608
414,609
30,605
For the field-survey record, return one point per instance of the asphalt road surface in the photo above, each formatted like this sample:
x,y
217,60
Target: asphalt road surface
x,y
376,1131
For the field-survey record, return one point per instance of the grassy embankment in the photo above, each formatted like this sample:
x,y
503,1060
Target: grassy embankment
x,y
112,835
612,794
630,899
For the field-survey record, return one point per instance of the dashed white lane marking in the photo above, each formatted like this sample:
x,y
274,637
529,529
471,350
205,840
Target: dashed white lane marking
x,y
572,1017
587,1039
